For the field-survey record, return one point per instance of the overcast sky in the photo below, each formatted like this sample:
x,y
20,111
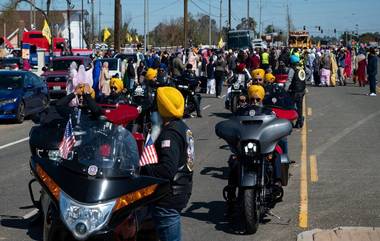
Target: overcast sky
x,y
342,15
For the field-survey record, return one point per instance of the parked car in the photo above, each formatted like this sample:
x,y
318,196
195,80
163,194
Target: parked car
x,y
114,66
22,93
259,43
12,63
56,77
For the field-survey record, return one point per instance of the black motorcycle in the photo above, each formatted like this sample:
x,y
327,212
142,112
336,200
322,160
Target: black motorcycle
x,y
253,138
188,90
91,187
237,88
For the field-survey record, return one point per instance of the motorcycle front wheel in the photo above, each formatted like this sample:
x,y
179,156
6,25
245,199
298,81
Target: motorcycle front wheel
x,y
251,210
234,103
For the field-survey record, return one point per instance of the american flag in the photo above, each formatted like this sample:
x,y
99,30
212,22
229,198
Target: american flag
x,y
68,141
149,154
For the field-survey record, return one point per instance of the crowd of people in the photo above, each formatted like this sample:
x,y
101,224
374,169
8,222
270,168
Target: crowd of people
x,y
211,69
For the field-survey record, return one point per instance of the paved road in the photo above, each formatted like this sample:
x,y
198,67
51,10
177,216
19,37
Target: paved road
x,y
341,189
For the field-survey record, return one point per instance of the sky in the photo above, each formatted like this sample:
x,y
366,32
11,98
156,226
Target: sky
x,y
342,15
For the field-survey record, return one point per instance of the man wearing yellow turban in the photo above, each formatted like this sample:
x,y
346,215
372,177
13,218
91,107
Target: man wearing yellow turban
x,y
256,94
175,151
258,76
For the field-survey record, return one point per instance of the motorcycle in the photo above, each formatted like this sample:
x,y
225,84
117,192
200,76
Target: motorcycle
x,y
93,190
189,94
254,140
237,87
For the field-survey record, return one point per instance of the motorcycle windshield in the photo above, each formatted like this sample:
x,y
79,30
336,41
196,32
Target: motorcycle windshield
x,y
277,97
103,149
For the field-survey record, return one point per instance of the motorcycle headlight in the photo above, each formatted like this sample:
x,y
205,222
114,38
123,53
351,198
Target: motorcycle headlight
x,y
54,155
81,219
250,149
9,101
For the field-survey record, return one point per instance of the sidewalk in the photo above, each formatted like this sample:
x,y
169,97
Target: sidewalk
x,y
341,234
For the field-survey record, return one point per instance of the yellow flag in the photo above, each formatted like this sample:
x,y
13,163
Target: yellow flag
x,y
137,39
129,38
46,31
106,34
319,44
220,43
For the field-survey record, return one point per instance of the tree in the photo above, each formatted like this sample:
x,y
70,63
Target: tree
x,y
171,33
270,29
249,24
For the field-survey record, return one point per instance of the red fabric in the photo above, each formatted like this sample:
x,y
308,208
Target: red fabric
x,y
255,62
347,64
278,149
362,65
240,67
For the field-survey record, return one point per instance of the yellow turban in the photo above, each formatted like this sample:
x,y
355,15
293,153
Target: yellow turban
x,y
270,78
92,91
258,73
170,102
118,83
151,74
256,90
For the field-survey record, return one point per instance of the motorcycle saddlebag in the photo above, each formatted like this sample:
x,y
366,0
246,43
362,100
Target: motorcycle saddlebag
x,y
285,162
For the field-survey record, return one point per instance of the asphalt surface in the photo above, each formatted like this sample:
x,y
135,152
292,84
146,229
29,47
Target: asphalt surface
x,y
343,133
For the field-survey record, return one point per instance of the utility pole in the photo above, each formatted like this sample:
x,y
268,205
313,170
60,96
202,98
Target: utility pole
x,y
145,45
147,23
116,36
69,25
220,20
185,24
82,24
229,15
209,22
260,22
92,22
100,26
247,11
288,21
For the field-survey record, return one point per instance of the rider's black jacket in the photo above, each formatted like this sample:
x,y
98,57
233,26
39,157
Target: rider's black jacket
x,y
172,147
62,111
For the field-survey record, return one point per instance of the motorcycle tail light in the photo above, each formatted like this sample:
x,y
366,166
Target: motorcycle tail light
x,y
49,182
132,197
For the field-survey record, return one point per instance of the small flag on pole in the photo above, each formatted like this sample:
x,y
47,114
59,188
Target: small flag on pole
x,y
68,141
46,31
106,34
149,154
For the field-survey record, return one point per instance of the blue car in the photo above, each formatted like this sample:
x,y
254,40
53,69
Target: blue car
x,y
22,93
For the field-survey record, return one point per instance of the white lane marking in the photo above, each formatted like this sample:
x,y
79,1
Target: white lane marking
x,y
207,106
14,143
321,149
30,214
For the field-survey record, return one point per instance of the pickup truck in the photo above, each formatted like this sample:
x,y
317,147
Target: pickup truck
x,y
56,77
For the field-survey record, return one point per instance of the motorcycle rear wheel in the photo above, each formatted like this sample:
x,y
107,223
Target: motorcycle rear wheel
x,y
251,211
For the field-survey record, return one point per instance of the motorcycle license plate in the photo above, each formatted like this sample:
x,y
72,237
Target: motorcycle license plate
x,y
56,87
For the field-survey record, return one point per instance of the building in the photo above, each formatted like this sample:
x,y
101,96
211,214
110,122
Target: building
x,y
13,22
